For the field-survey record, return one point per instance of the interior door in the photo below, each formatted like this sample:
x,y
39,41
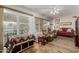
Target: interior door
x,y
77,33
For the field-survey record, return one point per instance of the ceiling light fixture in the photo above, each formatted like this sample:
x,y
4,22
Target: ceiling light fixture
x,y
55,10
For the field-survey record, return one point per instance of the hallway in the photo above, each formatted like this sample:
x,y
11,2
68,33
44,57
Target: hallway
x,y
59,45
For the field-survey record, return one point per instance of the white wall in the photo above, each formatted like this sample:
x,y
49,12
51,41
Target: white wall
x,y
68,19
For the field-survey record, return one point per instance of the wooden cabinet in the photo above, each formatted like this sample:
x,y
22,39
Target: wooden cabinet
x,y
77,32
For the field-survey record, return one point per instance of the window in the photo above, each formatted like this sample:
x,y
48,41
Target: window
x,y
23,24
15,24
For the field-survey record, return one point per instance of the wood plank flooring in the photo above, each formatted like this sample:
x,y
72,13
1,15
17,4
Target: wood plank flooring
x,y
59,45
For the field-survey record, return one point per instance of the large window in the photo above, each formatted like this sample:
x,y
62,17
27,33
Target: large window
x,y
23,25
15,24
41,24
10,23
37,23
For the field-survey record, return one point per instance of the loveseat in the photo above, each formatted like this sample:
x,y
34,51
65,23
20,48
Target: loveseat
x,y
67,32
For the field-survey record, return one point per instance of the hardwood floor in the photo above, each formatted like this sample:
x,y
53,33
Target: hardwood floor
x,y
59,45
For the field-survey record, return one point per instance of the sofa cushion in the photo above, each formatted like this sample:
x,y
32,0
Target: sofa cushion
x,y
69,30
17,40
64,29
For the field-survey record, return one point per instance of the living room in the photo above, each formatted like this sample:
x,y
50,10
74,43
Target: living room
x,y
50,29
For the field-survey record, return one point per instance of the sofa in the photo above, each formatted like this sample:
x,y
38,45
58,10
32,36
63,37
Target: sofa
x,y
16,44
67,32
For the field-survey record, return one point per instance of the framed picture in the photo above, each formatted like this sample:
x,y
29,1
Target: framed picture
x,y
65,23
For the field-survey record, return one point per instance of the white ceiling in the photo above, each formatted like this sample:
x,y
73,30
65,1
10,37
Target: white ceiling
x,y
46,9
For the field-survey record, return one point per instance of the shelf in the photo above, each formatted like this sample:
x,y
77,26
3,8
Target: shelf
x,y
22,42
23,45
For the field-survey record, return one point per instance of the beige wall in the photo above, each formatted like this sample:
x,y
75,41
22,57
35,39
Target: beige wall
x,y
1,29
